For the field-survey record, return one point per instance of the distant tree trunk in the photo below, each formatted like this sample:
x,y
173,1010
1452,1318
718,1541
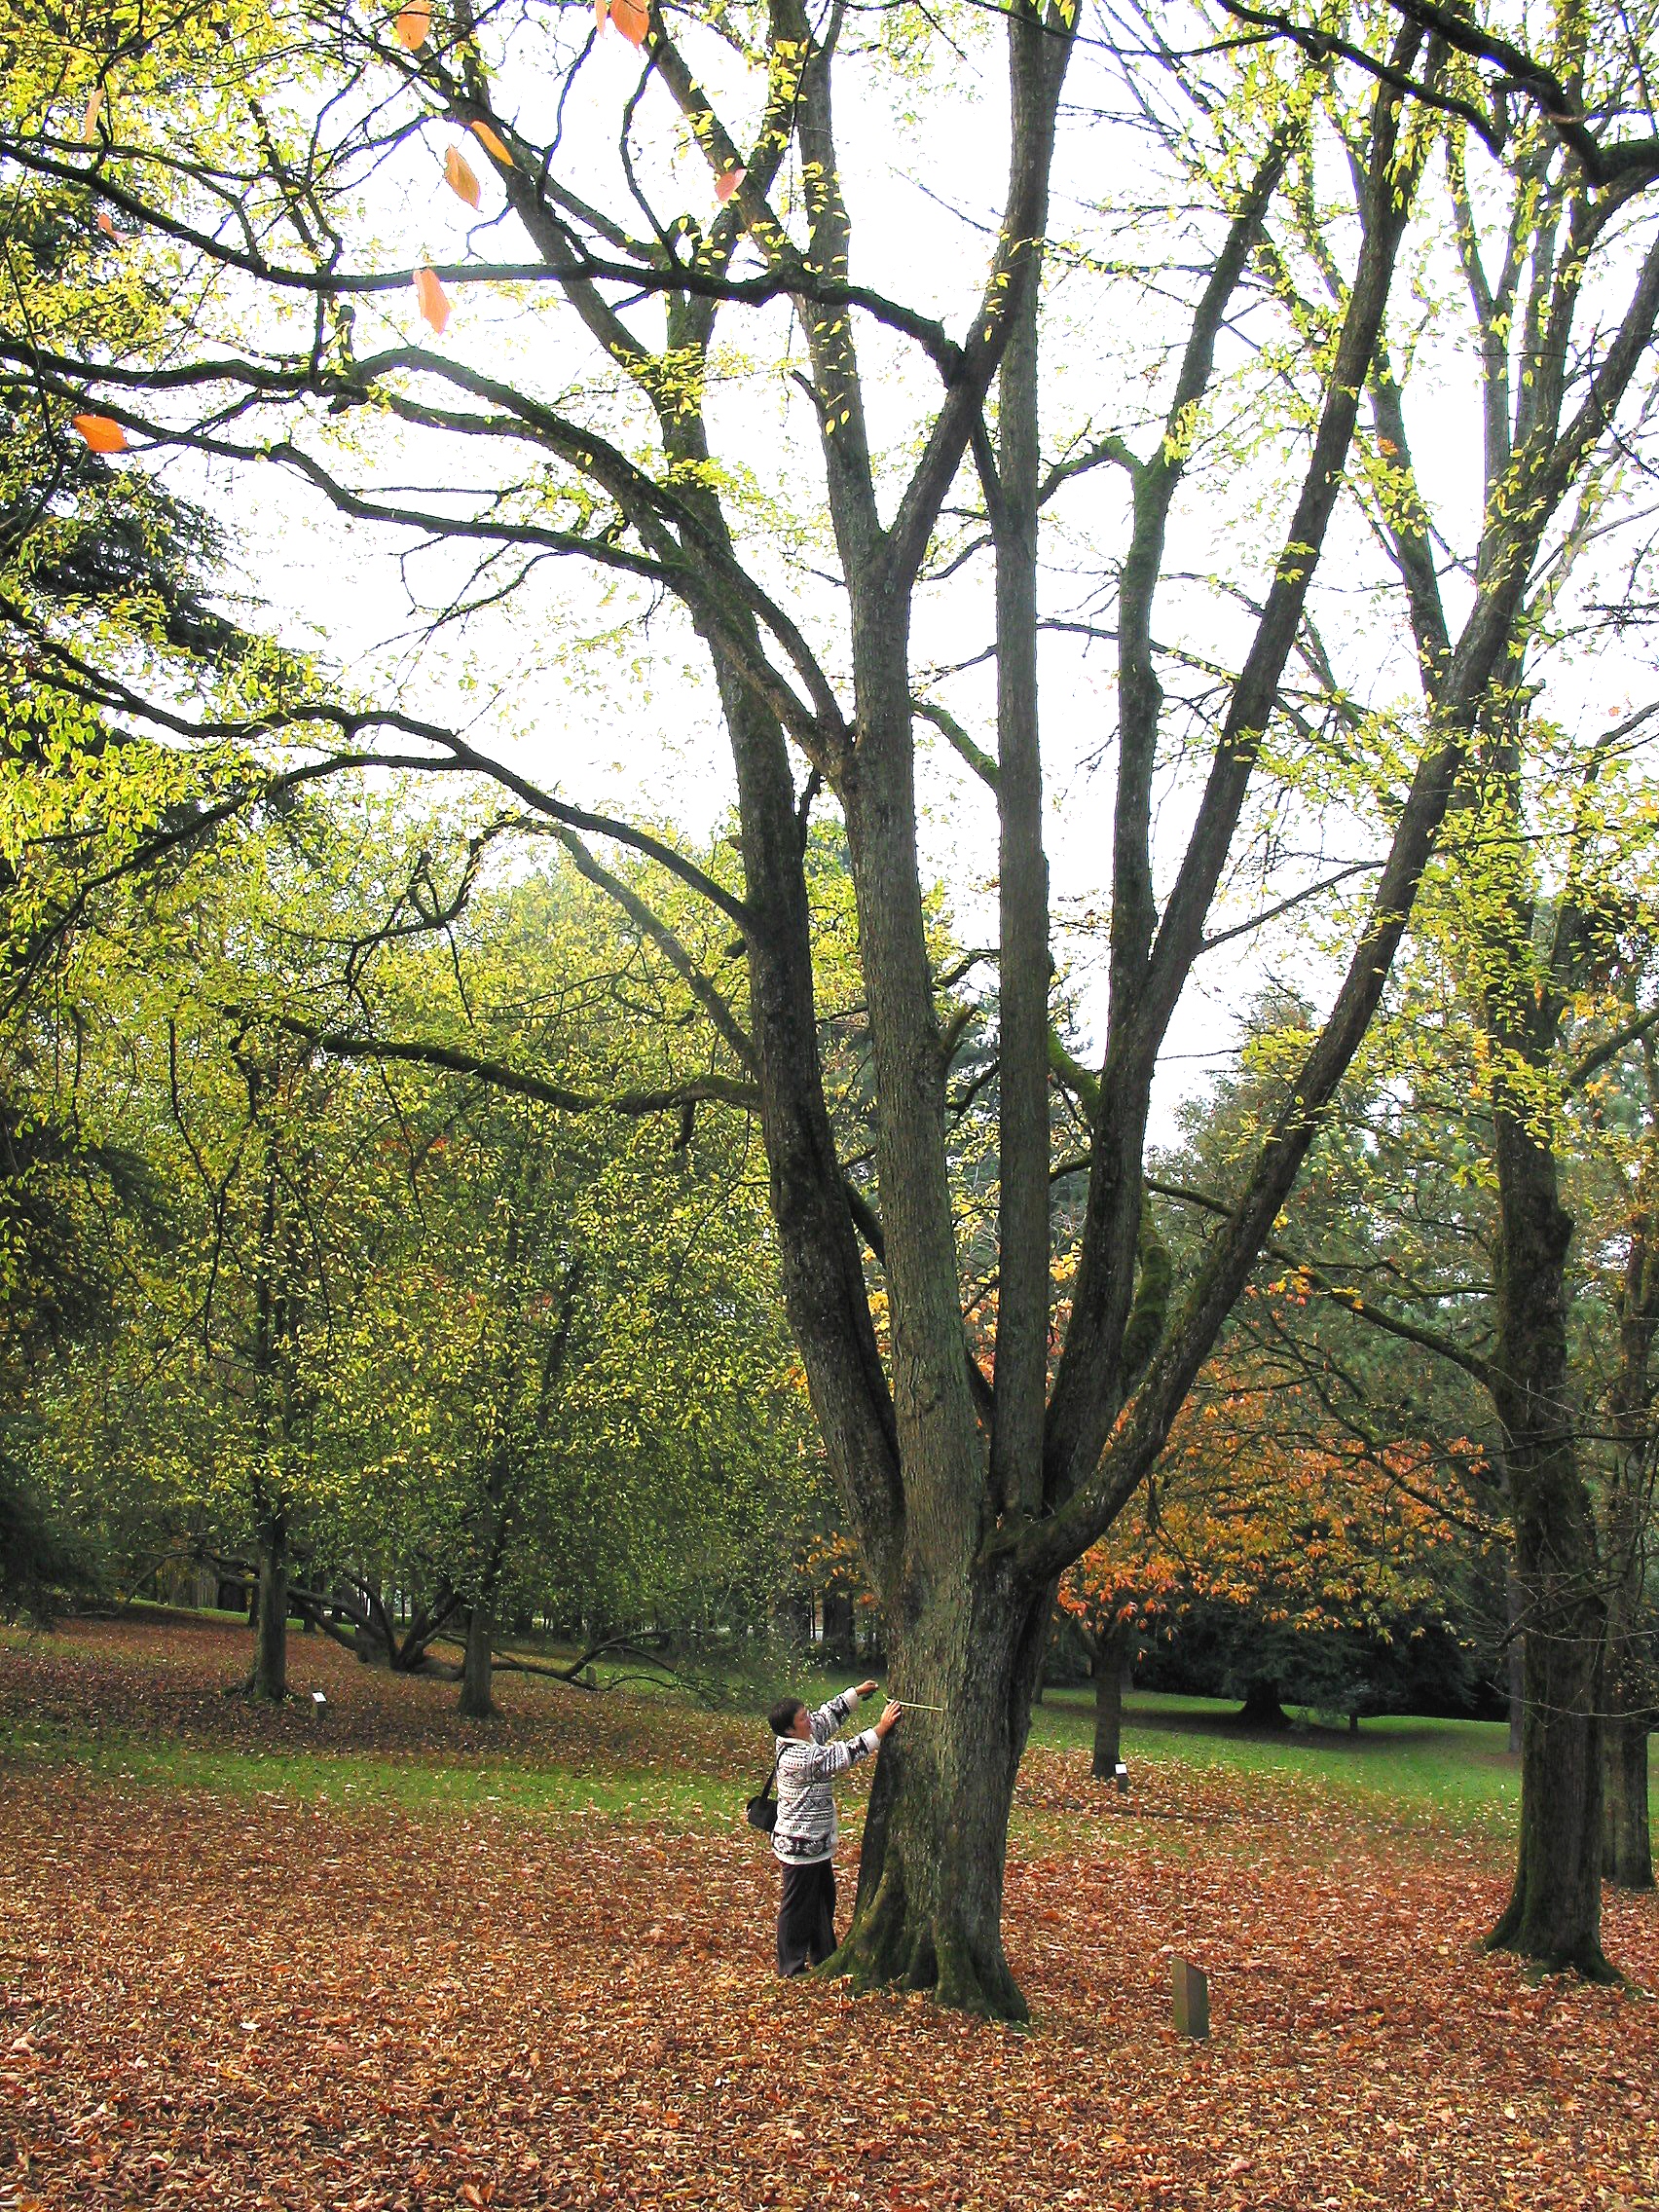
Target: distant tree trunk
x,y
268,1681
1262,1708
794,1619
273,1409
477,1702
1106,1664
477,1670
838,1628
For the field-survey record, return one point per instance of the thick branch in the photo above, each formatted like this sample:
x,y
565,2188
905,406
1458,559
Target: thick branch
x,y
452,1059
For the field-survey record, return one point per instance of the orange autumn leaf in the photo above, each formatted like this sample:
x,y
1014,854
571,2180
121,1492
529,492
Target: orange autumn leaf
x,y
600,9
431,299
105,223
100,434
459,176
493,143
727,183
632,18
414,25
90,121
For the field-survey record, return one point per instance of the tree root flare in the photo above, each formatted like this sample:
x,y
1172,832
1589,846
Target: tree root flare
x,y
890,1947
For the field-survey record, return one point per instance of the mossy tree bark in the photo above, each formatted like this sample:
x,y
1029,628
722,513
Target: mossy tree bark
x,y
928,1913
1553,1914
1514,1680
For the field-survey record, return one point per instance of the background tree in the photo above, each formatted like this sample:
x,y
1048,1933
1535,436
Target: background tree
x,y
415,1347
1284,1556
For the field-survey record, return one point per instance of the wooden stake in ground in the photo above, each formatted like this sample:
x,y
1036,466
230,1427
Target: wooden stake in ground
x,y
1192,2000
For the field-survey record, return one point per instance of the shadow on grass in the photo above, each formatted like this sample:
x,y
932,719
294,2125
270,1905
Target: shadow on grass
x,y
1379,1736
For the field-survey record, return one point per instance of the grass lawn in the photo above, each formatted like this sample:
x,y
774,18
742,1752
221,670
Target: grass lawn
x,y
1458,1770
374,1958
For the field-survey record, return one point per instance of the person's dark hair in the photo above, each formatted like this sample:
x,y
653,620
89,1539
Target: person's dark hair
x,y
781,1719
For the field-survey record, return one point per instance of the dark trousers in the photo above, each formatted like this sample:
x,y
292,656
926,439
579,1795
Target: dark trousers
x,y
806,1917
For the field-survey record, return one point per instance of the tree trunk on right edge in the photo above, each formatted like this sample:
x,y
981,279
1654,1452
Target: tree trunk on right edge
x,y
1627,1855
1553,1915
1513,1668
477,1670
1107,1667
1627,1843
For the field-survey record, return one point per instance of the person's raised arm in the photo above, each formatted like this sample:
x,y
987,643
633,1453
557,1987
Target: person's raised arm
x,y
828,1718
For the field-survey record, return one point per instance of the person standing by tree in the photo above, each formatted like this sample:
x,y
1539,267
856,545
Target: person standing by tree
x,y
806,1832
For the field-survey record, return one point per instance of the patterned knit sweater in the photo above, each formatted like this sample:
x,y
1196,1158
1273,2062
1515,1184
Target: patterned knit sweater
x,y
807,1829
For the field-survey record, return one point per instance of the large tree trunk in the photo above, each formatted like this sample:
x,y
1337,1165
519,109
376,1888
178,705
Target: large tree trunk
x,y
929,1909
965,1636
476,1701
1107,1667
1627,1844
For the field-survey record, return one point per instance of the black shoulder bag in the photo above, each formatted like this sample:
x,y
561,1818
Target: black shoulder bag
x,y
763,1811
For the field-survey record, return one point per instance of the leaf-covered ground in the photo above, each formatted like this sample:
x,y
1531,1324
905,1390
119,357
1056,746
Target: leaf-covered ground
x,y
252,1997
